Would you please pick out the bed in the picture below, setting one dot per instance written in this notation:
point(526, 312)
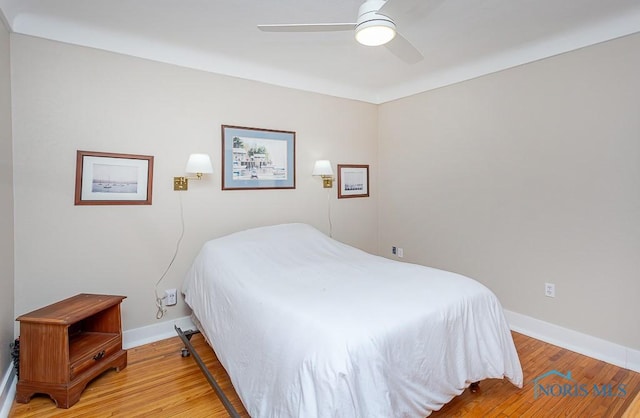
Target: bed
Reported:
point(307, 326)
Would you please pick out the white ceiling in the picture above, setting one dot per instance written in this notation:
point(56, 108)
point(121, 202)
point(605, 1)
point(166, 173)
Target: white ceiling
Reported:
point(460, 39)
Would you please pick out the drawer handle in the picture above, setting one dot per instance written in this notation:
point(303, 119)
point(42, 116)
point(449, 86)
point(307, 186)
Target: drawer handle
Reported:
point(99, 355)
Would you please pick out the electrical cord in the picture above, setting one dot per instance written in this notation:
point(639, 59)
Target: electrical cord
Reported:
point(329, 212)
point(159, 300)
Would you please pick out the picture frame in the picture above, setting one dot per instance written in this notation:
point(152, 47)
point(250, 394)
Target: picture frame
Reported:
point(353, 180)
point(105, 178)
point(254, 158)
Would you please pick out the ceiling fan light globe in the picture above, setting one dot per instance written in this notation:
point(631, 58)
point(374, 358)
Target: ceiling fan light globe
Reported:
point(375, 32)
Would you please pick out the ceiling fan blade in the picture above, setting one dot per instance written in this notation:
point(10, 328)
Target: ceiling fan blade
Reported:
point(402, 48)
point(308, 27)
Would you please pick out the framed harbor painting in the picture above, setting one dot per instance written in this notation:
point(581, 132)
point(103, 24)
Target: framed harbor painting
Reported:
point(104, 178)
point(254, 158)
point(353, 180)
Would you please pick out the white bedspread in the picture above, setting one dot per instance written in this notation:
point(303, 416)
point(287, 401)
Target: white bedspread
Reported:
point(309, 327)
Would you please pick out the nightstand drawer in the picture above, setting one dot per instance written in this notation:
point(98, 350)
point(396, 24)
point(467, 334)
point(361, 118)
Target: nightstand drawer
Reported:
point(96, 355)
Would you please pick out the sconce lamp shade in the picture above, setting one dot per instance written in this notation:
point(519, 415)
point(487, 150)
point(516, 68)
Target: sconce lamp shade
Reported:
point(322, 168)
point(199, 163)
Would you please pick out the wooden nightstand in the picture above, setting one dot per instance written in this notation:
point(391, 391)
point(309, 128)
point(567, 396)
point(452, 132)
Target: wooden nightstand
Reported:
point(66, 345)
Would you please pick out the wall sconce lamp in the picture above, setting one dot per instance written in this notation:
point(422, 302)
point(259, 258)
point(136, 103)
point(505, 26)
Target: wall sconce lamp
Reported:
point(323, 169)
point(198, 164)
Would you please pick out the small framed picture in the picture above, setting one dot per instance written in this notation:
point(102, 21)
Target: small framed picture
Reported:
point(104, 178)
point(353, 180)
point(255, 158)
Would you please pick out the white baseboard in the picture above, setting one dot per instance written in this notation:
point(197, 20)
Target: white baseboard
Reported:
point(587, 345)
point(7, 391)
point(156, 332)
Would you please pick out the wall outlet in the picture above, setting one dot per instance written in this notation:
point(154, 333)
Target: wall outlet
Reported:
point(550, 290)
point(171, 297)
point(394, 250)
point(400, 252)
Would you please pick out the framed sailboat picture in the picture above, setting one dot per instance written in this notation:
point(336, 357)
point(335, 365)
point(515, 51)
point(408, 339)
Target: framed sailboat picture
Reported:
point(104, 178)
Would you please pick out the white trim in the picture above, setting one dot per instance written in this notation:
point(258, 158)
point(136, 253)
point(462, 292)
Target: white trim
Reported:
point(607, 30)
point(587, 345)
point(5, 21)
point(156, 332)
point(7, 391)
point(73, 32)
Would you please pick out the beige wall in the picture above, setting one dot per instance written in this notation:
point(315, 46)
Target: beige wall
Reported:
point(517, 178)
point(68, 98)
point(6, 200)
point(527, 176)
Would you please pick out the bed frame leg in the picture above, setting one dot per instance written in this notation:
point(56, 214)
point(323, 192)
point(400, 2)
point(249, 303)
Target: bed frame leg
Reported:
point(474, 387)
point(186, 339)
point(188, 334)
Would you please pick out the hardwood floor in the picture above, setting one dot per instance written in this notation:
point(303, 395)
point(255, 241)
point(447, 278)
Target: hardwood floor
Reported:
point(634, 410)
point(159, 382)
point(498, 398)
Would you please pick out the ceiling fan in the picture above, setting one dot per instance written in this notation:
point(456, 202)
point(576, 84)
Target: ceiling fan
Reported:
point(374, 26)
